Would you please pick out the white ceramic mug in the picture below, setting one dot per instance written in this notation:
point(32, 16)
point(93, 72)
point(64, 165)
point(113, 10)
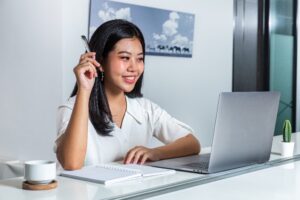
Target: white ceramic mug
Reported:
point(40, 171)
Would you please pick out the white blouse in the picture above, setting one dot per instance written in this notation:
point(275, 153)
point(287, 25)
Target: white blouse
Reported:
point(142, 121)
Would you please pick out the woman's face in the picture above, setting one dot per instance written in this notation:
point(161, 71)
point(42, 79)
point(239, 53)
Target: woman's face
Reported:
point(124, 65)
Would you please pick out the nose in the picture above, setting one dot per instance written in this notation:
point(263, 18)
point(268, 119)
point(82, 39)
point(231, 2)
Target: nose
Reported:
point(133, 65)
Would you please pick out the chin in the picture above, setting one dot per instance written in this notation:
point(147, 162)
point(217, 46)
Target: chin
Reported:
point(127, 88)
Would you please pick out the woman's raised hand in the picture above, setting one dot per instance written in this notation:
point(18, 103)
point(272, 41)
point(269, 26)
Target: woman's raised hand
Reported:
point(86, 72)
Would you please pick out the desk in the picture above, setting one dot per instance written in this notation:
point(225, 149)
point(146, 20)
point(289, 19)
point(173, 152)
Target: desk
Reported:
point(276, 183)
point(278, 179)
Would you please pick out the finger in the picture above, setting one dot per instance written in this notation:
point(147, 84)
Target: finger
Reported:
point(92, 67)
point(129, 153)
point(144, 159)
point(91, 60)
point(137, 156)
point(80, 69)
point(85, 67)
point(130, 156)
point(95, 74)
point(126, 156)
point(90, 72)
point(88, 55)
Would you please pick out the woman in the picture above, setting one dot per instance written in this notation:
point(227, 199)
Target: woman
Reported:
point(106, 119)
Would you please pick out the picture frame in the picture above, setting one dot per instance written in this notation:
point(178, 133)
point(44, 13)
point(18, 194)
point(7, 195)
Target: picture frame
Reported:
point(166, 32)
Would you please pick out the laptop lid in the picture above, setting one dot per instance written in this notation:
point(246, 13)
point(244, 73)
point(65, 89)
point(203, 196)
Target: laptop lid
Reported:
point(243, 134)
point(244, 129)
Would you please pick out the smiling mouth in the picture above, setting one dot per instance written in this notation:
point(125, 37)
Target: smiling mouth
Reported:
point(129, 79)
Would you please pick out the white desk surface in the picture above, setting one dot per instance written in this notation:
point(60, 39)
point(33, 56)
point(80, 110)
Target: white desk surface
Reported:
point(276, 183)
point(280, 182)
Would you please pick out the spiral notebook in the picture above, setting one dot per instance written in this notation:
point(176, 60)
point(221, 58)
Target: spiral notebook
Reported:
point(109, 174)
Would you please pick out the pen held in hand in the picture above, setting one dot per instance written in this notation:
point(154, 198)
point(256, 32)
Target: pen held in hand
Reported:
point(86, 44)
point(88, 50)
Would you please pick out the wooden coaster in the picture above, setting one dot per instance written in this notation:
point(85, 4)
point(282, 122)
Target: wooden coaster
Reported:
point(27, 186)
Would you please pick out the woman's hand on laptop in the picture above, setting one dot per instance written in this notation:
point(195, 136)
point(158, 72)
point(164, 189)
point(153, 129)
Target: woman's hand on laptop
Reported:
point(140, 154)
point(184, 146)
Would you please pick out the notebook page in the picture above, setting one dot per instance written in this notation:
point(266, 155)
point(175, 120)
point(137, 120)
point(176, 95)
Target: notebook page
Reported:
point(102, 174)
point(150, 171)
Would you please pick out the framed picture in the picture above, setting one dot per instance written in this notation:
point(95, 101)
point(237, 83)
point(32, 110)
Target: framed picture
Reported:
point(166, 32)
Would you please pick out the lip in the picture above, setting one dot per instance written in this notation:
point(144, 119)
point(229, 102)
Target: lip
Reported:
point(129, 79)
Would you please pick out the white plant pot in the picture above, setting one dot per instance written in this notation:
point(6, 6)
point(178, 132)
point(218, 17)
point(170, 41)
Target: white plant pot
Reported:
point(287, 149)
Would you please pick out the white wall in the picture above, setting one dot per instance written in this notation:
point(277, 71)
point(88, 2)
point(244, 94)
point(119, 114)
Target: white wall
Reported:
point(40, 45)
point(30, 77)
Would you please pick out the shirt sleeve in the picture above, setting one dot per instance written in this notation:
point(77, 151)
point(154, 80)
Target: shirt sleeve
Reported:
point(63, 117)
point(166, 128)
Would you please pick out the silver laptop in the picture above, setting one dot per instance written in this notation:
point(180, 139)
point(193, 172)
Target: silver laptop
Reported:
point(243, 134)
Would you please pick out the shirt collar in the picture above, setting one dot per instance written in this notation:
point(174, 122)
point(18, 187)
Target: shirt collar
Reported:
point(134, 109)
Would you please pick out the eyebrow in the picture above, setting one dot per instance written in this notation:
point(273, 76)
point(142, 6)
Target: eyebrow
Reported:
point(127, 52)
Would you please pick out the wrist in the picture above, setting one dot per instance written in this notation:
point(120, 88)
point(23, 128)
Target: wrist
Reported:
point(158, 153)
point(84, 93)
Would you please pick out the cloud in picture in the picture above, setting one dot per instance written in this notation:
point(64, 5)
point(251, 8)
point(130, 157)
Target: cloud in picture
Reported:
point(109, 13)
point(160, 37)
point(180, 40)
point(170, 32)
point(171, 25)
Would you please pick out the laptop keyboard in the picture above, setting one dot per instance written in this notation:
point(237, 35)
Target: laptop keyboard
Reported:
point(198, 165)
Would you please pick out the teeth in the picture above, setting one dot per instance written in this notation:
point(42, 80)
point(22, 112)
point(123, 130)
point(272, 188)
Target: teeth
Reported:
point(130, 78)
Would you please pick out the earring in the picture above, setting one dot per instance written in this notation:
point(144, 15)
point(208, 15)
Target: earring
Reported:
point(102, 76)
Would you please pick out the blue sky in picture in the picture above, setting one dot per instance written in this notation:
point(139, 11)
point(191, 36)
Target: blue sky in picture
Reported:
point(166, 32)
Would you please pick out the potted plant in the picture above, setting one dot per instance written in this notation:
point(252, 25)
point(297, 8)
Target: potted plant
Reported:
point(287, 144)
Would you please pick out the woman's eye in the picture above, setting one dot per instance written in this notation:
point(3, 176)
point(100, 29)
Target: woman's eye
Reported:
point(141, 59)
point(125, 58)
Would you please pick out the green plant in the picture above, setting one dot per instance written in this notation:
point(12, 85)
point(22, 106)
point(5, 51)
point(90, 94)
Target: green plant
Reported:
point(287, 131)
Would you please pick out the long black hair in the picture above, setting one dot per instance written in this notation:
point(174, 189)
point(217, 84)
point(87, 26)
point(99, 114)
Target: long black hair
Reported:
point(102, 42)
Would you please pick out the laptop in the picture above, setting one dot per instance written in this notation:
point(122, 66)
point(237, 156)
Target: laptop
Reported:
point(243, 134)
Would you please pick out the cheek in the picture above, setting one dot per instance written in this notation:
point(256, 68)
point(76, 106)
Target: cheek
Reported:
point(142, 68)
point(117, 68)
